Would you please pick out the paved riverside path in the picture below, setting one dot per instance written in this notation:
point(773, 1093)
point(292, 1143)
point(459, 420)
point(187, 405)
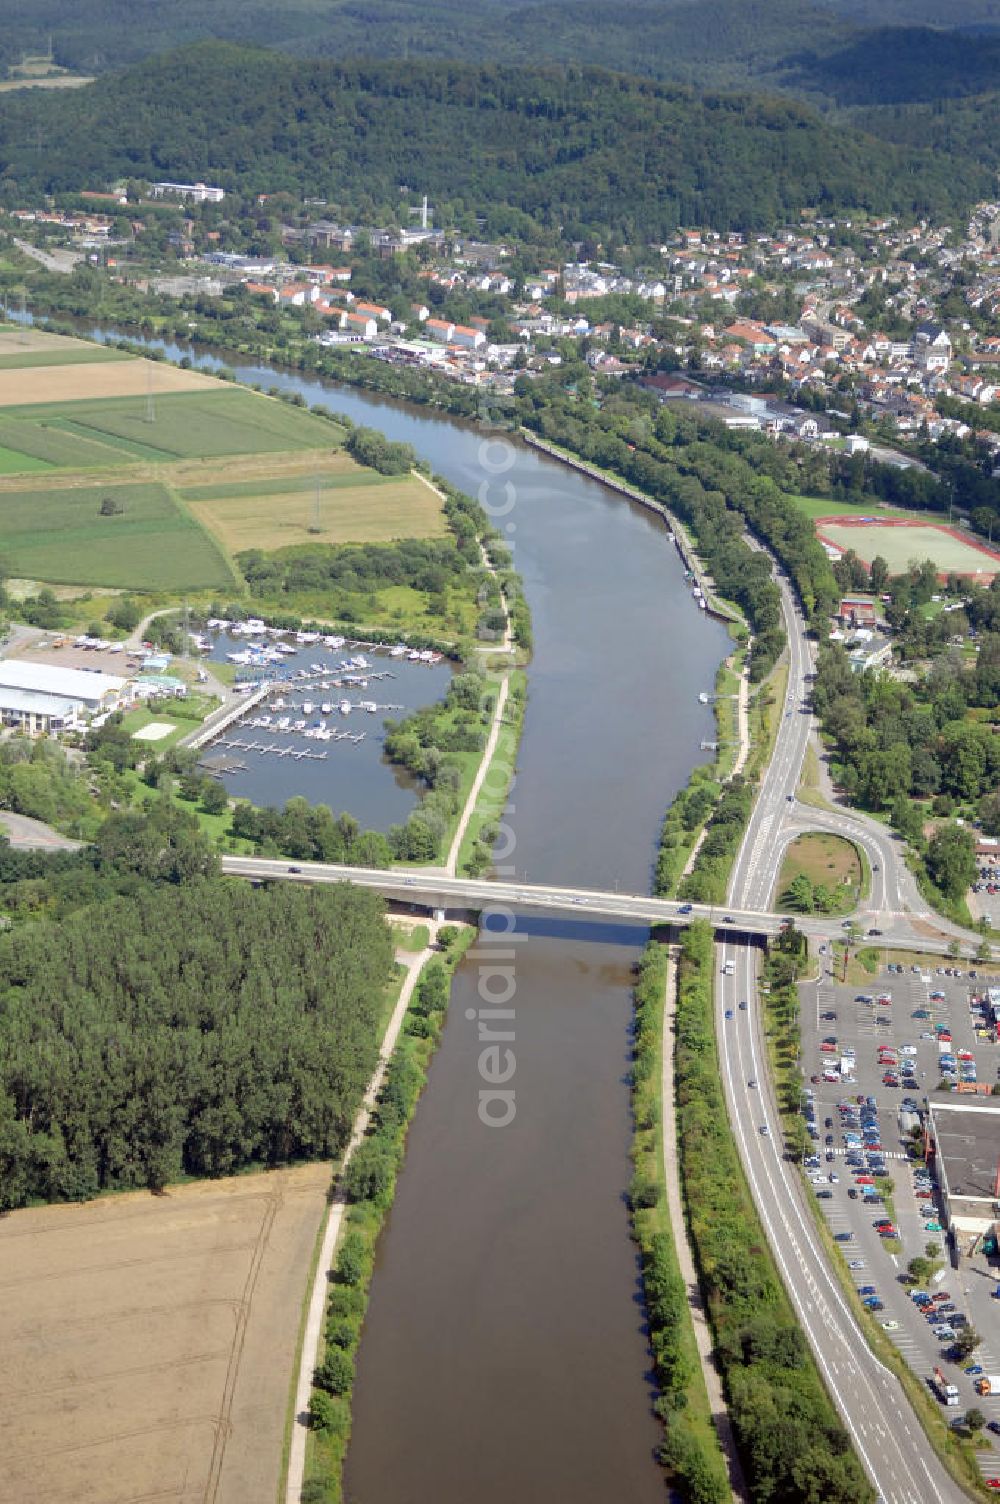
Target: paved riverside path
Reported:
point(331, 1233)
point(685, 1256)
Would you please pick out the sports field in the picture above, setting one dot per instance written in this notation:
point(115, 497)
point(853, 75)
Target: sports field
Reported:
point(362, 507)
point(60, 536)
point(900, 542)
point(147, 1342)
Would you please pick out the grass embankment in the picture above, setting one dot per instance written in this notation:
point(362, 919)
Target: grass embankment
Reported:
point(686, 818)
point(370, 1184)
point(790, 1437)
point(475, 852)
point(690, 1450)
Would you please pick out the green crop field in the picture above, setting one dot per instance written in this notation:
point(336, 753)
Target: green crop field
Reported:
point(190, 425)
point(73, 355)
point(40, 439)
point(13, 462)
point(60, 537)
point(351, 477)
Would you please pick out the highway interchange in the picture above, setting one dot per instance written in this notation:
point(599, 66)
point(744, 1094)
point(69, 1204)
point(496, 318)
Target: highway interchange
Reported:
point(881, 1423)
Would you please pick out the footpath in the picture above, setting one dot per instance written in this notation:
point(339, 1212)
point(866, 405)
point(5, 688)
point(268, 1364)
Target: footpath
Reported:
point(331, 1233)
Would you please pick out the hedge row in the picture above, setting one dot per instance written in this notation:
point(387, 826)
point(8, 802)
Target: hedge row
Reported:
point(690, 1450)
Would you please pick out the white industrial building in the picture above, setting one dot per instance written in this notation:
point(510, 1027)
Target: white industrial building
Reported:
point(41, 698)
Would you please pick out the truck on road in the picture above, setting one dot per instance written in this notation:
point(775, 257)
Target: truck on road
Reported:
point(946, 1393)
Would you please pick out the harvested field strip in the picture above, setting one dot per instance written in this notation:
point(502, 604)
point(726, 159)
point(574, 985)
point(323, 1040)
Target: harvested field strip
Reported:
point(61, 537)
point(177, 1340)
point(366, 513)
point(91, 381)
point(73, 355)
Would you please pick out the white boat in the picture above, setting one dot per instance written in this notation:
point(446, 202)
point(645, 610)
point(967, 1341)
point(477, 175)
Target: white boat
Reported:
point(326, 707)
point(317, 668)
point(307, 706)
point(398, 650)
point(299, 725)
point(344, 707)
point(284, 722)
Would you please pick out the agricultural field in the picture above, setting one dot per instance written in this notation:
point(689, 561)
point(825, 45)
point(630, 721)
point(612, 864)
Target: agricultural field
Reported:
point(177, 424)
point(147, 1343)
point(900, 542)
point(358, 507)
point(61, 536)
point(90, 380)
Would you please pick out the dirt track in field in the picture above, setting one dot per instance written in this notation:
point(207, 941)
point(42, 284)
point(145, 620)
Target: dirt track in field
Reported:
point(147, 1343)
point(78, 383)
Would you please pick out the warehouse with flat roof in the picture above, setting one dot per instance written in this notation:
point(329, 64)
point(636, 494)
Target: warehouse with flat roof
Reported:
point(43, 698)
point(965, 1143)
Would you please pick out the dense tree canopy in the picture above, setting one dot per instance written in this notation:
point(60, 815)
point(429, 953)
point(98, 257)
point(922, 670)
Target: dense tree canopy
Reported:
point(573, 151)
point(185, 1030)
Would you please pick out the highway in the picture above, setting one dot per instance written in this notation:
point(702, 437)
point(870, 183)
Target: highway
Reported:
point(885, 1432)
point(438, 890)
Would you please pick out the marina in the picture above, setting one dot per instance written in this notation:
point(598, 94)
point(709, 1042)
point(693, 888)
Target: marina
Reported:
point(309, 717)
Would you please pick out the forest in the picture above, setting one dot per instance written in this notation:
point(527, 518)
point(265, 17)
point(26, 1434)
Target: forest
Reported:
point(572, 150)
point(828, 50)
point(185, 1030)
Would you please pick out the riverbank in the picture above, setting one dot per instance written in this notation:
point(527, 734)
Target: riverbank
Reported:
point(691, 1404)
point(362, 1195)
point(714, 604)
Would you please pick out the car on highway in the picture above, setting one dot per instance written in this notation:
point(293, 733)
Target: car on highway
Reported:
point(686, 908)
point(752, 1085)
point(874, 932)
point(729, 1012)
point(764, 1130)
point(295, 869)
point(728, 919)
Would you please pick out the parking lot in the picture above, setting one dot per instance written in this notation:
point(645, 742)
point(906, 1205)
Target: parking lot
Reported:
point(984, 898)
point(871, 1055)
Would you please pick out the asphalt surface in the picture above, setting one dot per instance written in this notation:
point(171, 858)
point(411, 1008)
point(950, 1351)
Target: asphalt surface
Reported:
point(885, 1432)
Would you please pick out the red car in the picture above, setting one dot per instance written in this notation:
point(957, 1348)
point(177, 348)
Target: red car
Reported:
point(925, 1195)
point(828, 1048)
point(864, 1180)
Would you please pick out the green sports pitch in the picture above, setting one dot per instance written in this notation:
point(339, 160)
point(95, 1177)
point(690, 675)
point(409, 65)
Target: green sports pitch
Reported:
point(901, 543)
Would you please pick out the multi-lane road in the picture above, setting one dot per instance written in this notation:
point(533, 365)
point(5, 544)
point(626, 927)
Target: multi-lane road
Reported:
point(886, 1434)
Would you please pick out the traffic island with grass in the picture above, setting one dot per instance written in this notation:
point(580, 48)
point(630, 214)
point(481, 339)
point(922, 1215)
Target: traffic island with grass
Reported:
point(821, 874)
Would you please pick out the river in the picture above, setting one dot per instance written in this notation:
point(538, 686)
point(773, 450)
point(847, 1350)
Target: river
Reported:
point(504, 1355)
